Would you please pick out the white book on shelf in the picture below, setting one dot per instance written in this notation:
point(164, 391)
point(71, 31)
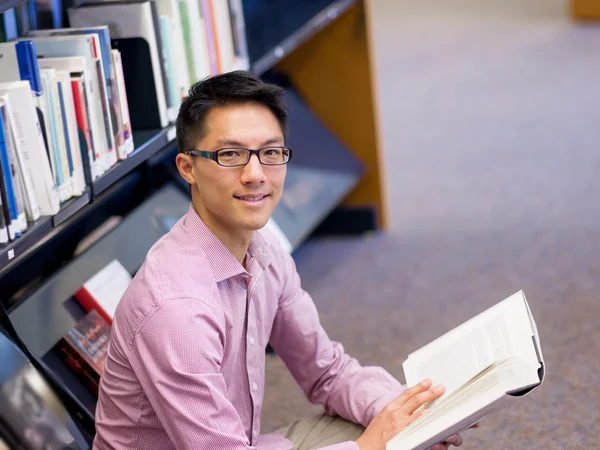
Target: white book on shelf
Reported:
point(15, 169)
point(30, 146)
point(104, 290)
point(75, 65)
point(64, 67)
point(486, 364)
point(32, 209)
point(62, 166)
point(83, 45)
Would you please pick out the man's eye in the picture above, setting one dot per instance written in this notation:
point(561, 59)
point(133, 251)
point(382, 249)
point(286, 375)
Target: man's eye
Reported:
point(230, 154)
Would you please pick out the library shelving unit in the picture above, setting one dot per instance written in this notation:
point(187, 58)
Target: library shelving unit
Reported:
point(321, 51)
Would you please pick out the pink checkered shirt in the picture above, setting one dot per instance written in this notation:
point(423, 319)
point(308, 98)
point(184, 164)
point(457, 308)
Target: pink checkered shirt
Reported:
point(186, 361)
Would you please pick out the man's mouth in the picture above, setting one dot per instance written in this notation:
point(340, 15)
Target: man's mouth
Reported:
point(252, 198)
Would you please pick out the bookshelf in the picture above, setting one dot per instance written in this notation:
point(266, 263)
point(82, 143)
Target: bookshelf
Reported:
point(323, 57)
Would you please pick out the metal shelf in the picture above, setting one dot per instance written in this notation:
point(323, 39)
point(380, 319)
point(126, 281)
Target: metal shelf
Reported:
point(147, 144)
point(35, 233)
point(293, 41)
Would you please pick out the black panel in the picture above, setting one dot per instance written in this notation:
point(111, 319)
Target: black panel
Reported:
point(139, 79)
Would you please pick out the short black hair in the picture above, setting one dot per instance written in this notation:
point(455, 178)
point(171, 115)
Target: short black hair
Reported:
point(231, 88)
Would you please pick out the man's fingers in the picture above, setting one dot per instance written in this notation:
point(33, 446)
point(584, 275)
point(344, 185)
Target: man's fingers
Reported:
point(455, 439)
point(411, 392)
point(416, 401)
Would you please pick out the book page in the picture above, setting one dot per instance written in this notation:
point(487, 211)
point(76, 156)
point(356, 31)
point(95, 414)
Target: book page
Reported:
point(502, 331)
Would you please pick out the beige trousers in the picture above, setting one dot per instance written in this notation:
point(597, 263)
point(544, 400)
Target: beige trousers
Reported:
point(320, 431)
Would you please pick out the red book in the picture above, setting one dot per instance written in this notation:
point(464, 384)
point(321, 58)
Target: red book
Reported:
point(84, 349)
point(104, 290)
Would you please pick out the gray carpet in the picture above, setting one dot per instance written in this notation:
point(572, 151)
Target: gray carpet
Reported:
point(491, 120)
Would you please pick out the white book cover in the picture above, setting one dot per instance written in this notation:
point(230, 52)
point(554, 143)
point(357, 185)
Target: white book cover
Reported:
point(32, 210)
point(128, 20)
point(30, 146)
point(82, 45)
point(104, 290)
point(74, 64)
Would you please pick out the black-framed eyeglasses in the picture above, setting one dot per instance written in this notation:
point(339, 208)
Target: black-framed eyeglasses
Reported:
point(239, 156)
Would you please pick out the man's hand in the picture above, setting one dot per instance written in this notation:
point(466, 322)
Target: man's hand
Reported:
point(399, 414)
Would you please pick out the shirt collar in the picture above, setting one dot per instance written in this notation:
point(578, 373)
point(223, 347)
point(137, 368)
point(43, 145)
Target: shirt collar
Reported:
point(223, 263)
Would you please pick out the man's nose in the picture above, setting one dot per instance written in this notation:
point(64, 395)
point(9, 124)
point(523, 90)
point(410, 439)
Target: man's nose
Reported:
point(253, 171)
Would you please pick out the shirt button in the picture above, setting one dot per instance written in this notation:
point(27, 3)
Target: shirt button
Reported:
point(262, 251)
point(251, 340)
point(254, 387)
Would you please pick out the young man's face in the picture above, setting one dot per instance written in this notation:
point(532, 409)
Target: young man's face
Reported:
point(244, 197)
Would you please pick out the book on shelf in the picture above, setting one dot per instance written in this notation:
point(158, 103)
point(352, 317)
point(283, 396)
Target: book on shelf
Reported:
point(122, 140)
point(86, 46)
point(31, 152)
point(10, 208)
point(486, 364)
point(84, 349)
point(135, 35)
point(9, 163)
point(104, 290)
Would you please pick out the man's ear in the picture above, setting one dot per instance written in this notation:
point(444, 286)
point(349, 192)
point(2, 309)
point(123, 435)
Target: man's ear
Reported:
point(185, 165)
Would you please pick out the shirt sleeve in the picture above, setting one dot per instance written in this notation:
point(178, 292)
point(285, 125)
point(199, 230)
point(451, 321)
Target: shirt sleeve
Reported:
point(177, 357)
point(326, 374)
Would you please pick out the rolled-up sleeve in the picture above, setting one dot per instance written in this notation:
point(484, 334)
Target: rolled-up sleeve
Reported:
point(182, 378)
point(327, 375)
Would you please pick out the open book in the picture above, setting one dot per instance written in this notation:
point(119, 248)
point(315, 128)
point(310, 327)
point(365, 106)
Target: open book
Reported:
point(486, 363)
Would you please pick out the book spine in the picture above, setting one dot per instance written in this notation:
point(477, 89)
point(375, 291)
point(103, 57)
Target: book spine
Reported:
point(124, 105)
point(14, 228)
point(89, 303)
point(28, 68)
point(17, 178)
point(85, 140)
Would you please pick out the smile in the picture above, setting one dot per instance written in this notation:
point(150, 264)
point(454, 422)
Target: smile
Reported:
point(252, 198)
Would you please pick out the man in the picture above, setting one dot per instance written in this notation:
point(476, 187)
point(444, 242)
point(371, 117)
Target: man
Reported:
point(185, 366)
